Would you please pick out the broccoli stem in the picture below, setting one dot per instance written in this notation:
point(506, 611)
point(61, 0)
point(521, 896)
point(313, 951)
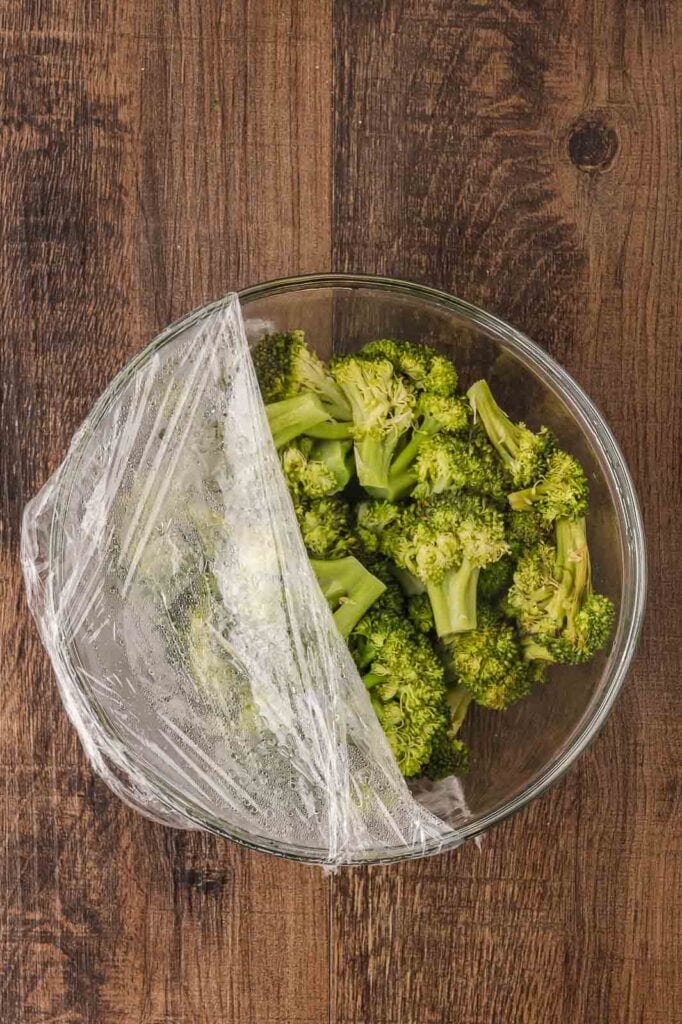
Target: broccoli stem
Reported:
point(294, 416)
point(533, 651)
point(401, 478)
point(333, 398)
point(371, 679)
point(503, 434)
point(337, 457)
point(381, 477)
point(404, 459)
point(411, 585)
point(349, 588)
point(330, 431)
point(524, 501)
point(453, 600)
point(373, 460)
point(572, 569)
point(459, 700)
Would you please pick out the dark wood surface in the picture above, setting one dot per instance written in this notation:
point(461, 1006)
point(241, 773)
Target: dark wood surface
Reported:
point(526, 156)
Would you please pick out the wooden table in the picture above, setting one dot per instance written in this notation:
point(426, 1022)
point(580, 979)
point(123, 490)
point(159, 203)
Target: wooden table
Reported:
point(524, 155)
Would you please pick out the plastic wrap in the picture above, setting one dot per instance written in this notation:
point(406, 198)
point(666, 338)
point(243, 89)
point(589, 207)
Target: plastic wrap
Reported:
point(195, 653)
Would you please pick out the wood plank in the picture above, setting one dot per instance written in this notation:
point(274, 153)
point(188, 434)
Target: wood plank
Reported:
point(526, 157)
point(153, 156)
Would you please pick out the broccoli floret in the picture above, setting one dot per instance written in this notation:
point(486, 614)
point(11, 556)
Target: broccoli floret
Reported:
point(420, 613)
point(337, 456)
point(349, 588)
point(292, 417)
point(285, 367)
point(315, 469)
point(326, 526)
point(372, 518)
point(449, 756)
point(306, 476)
point(495, 580)
point(445, 542)
point(449, 463)
point(559, 615)
point(561, 492)
point(487, 662)
point(433, 414)
point(383, 410)
point(405, 680)
point(525, 530)
point(523, 453)
point(426, 369)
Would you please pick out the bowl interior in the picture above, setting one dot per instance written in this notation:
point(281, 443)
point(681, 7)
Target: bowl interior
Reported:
point(511, 751)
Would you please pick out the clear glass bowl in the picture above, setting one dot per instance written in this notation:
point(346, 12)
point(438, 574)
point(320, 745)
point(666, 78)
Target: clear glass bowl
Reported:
point(517, 754)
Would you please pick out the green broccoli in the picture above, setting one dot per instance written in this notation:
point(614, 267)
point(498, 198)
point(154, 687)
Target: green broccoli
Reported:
point(525, 530)
point(292, 417)
point(433, 414)
point(372, 518)
point(349, 589)
point(405, 680)
point(445, 542)
point(495, 580)
point(523, 453)
point(561, 492)
point(306, 476)
point(560, 618)
point(426, 369)
point(487, 662)
point(383, 411)
point(451, 463)
point(393, 598)
point(286, 367)
point(450, 755)
point(420, 613)
point(326, 526)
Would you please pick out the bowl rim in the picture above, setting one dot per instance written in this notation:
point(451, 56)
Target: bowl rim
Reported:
point(621, 488)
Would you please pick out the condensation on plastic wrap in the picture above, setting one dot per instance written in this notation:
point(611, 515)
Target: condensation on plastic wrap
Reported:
point(193, 648)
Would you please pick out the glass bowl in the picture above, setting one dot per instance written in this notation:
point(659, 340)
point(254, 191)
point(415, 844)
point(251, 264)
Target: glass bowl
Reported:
point(517, 754)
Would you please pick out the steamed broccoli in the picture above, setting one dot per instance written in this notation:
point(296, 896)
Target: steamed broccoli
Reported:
point(523, 453)
point(445, 542)
point(426, 369)
point(349, 588)
point(559, 615)
point(487, 662)
point(431, 521)
point(433, 414)
point(405, 680)
point(286, 367)
point(295, 416)
point(420, 613)
point(383, 411)
point(495, 580)
point(525, 530)
point(305, 475)
point(326, 527)
point(451, 463)
point(372, 518)
point(560, 492)
point(393, 598)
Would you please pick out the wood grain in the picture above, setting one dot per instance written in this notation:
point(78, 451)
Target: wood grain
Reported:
point(526, 157)
point(152, 156)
